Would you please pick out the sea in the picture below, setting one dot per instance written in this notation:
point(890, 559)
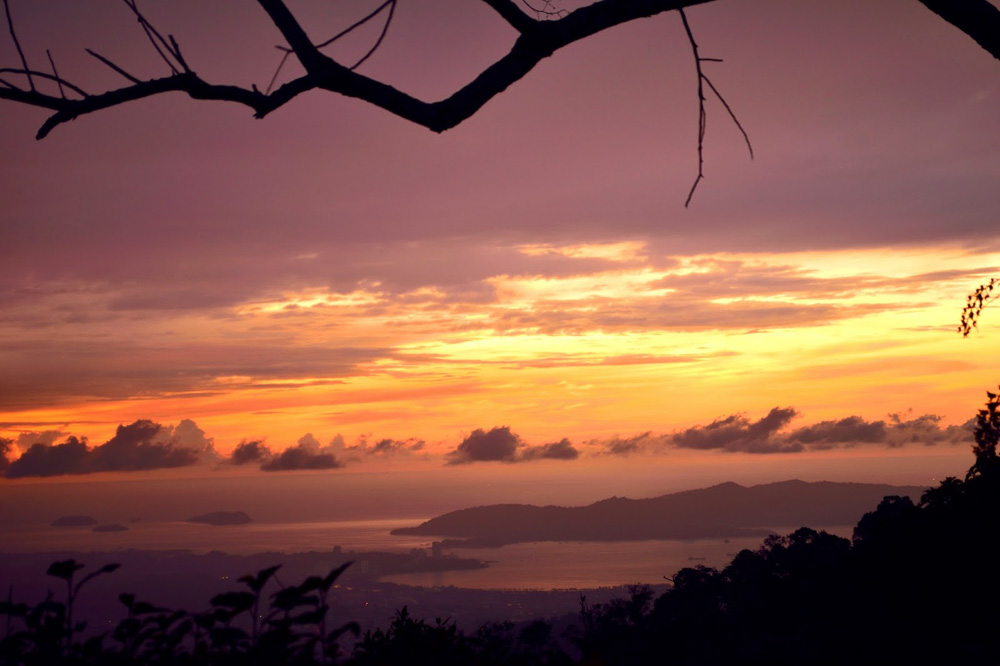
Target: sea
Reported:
point(525, 566)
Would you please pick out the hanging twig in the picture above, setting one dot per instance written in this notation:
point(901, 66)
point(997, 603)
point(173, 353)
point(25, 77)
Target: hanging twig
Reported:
point(702, 114)
point(17, 45)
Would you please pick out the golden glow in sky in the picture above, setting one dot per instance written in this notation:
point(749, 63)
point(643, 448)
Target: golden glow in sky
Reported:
point(527, 286)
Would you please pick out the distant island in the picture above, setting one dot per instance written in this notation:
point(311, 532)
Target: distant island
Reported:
point(721, 511)
point(221, 518)
point(73, 521)
point(110, 528)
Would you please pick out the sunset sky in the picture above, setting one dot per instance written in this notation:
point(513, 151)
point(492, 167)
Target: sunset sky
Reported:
point(527, 287)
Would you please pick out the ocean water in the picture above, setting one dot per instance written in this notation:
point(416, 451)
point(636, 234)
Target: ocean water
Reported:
point(540, 565)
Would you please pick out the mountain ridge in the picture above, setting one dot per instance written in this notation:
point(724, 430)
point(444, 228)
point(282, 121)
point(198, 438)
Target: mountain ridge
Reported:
point(723, 510)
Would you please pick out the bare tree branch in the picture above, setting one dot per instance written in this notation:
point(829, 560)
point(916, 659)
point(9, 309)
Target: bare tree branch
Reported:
point(357, 24)
point(17, 45)
point(297, 39)
point(33, 98)
point(381, 37)
point(113, 66)
point(546, 11)
point(44, 75)
point(729, 110)
point(514, 16)
point(55, 74)
point(978, 19)
point(702, 115)
point(153, 35)
point(537, 39)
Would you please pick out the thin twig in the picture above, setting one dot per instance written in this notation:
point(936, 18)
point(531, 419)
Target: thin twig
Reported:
point(378, 42)
point(17, 45)
point(45, 75)
point(391, 4)
point(177, 53)
point(55, 73)
point(113, 66)
point(732, 115)
point(281, 64)
point(702, 114)
point(153, 35)
point(357, 24)
point(547, 9)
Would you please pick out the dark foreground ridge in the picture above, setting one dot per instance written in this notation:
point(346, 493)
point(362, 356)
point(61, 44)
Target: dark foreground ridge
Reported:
point(724, 510)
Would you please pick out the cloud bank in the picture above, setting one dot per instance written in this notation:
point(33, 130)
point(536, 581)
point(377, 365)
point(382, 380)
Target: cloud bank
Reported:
point(142, 445)
point(499, 444)
point(306, 454)
point(737, 433)
point(145, 445)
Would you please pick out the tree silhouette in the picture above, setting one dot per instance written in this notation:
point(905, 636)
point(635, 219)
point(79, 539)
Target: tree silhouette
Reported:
point(987, 434)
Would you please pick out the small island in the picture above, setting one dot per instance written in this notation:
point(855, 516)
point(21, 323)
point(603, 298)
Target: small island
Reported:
point(110, 528)
point(74, 521)
point(221, 518)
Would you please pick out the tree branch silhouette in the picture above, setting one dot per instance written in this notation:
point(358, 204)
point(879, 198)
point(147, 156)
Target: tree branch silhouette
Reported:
point(703, 81)
point(538, 37)
point(974, 304)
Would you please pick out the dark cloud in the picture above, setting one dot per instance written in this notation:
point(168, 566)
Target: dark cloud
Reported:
point(737, 433)
point(307, 454)
point(896, 432)
point(382, 448)
point(769, 434)
point(646, 442)
point(6, 446)
point(385, 446)
point(852, 429)
point(499, 444)
point(142, 445)
point(561, 450)
point(70, 457)
point(135, 447)
point(250, 451)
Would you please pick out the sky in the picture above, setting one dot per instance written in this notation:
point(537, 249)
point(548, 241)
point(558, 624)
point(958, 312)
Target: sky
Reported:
point(333, 289)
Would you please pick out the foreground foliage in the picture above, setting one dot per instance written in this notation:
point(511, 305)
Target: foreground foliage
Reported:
point(917, 584)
